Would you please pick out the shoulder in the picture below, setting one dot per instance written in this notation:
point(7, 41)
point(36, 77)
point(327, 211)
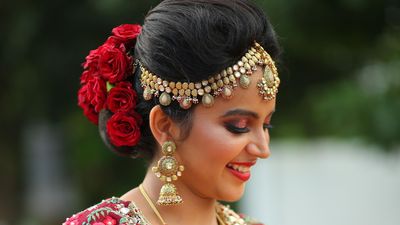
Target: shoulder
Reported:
point(231, 217)
point(112, 211)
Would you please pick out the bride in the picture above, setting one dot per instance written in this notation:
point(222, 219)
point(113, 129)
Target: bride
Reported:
point(193, 90)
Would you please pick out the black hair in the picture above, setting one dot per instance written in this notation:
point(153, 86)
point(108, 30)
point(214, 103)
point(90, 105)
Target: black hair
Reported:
point(190, 40)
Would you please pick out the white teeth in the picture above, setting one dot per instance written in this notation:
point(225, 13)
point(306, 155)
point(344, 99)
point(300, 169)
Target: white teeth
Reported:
point(242, 169)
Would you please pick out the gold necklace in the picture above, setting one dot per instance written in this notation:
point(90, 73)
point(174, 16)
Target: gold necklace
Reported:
point(152, 206)
point(220, 221)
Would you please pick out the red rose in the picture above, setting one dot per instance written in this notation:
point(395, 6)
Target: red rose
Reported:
point(121, 98)
point(86, 76)
point(92, 61)
point(114, 64)
point(91, 98)
point(123, 129)
point(114, 41)
point(126, 32)
point(110, 62)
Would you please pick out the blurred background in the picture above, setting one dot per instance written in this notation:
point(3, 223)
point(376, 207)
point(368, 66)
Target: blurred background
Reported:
point(335, 146)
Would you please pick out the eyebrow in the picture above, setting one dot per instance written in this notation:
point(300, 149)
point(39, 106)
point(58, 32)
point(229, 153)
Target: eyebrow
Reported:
point(243, 112)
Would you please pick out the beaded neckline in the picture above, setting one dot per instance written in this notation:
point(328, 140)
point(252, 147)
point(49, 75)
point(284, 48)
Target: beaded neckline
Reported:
point(228, 216)
point(117, 211)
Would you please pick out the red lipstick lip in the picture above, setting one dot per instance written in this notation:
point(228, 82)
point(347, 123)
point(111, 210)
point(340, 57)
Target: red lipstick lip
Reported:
point(242, 176)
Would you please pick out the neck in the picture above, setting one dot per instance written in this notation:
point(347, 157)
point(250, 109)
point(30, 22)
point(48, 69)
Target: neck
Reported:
point(194, 210)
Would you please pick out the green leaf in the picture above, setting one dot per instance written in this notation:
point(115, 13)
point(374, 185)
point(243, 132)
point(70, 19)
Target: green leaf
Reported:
point(109, 86)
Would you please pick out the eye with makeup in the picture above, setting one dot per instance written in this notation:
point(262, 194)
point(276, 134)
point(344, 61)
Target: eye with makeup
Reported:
point(238, 126)
point(267, 126)
point(241, 121)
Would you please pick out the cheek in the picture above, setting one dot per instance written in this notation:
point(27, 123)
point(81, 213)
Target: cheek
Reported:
point(206, 152)
point(211, 146)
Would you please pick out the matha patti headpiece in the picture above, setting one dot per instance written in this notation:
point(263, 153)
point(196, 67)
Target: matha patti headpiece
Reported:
point(188, 93)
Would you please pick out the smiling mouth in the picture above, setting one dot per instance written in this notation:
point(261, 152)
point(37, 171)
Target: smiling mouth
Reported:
point(240, 170)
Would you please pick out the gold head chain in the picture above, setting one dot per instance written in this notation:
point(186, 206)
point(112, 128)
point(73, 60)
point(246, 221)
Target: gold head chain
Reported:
point(187, 93)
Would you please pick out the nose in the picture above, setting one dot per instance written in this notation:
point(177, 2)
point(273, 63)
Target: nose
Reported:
point(259, 145)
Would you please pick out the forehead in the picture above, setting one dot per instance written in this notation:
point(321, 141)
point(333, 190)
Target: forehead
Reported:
point(247, 99)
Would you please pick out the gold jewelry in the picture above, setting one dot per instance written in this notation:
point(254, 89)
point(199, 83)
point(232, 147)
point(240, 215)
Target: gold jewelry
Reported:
point(168, 170)
point(225, 216)
point(188, 93)
point(269, 83)
point(152, 206)
point(219, 219)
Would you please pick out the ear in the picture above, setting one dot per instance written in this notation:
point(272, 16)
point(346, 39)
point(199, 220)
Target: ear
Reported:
point(161, 125)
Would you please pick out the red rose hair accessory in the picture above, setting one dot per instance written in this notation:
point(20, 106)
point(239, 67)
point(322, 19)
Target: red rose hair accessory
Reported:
point(124, 129)
point(105, 85)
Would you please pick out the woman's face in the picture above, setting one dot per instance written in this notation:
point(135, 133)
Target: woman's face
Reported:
point(224, 142)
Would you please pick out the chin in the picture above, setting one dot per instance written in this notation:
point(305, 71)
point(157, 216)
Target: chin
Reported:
point(232, 194)
point(231, 199)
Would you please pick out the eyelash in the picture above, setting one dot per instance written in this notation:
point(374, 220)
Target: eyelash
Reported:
point(238, 130)
point(267, 126)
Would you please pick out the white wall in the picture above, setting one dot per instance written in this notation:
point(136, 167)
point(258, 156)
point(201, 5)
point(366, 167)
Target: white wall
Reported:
point(325, 182)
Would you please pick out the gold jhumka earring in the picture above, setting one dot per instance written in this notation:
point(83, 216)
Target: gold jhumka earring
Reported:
point(168, 170)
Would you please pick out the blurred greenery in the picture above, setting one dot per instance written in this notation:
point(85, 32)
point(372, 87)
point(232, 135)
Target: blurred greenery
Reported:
point(340, 75)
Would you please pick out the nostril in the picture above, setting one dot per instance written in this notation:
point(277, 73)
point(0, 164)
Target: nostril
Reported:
point(266, 153)
point(260, 152)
